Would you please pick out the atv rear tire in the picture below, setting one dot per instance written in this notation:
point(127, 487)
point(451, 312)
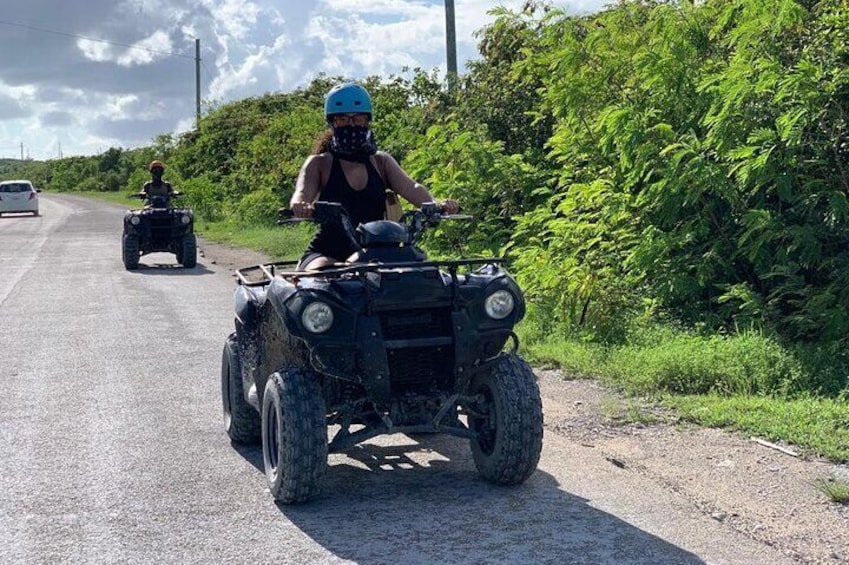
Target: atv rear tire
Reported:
point(294, 435)
point(130, 251)
point(241, 420)
point(508, 422)
point(189, 252)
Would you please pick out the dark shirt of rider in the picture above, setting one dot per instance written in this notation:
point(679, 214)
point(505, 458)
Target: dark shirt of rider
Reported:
point(161, 188)
point(364, 205)
point(156, 186)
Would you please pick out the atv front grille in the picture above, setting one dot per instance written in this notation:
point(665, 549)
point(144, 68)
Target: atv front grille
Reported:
point(420, 369)
point(160, 226)
point(421, 354)
point(416, 324)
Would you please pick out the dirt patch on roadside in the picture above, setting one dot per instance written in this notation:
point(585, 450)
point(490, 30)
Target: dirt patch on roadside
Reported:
point(230, 258)
point(757, 490)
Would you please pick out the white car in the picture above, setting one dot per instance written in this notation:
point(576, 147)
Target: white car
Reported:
point(18, 196)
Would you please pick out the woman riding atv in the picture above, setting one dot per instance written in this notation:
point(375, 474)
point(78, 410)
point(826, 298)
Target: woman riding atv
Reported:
point(347, 167)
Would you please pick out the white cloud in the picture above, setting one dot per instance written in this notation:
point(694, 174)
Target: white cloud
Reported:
point(234, 18)
point(146, 51)
point(95, 50)
point(118, 107)
point(382, 8)
point(262, 66)
point(22, 93)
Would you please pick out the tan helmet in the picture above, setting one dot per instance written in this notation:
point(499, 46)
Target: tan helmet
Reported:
point(156, 165)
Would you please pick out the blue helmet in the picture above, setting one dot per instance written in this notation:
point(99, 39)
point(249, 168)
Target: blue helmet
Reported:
point(347, 98)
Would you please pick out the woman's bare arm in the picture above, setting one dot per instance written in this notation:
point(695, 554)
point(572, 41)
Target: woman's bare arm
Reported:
point(398, 180)
point(307, 187)
point(417, 194)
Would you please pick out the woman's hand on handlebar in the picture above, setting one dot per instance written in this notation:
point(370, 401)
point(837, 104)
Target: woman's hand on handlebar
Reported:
point(450, 206)
point(302, 209)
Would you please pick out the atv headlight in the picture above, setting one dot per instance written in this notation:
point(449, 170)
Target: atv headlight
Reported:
point(317, 317)
point(135, 220)
point(185, 219)
point(499, 304)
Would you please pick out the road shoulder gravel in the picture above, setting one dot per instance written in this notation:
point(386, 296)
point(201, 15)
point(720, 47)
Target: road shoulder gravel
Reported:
point(761, 492)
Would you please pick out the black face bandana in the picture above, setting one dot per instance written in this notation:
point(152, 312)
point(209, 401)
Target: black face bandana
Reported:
point(353, 143)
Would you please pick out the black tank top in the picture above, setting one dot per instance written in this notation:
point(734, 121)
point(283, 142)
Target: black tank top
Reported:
point(366, 205)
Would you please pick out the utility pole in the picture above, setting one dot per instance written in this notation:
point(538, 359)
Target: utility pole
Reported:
point(451, 44)
point(197, 83)
point(22, 151)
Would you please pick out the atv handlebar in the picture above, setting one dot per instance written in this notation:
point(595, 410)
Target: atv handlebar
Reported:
point(287, 216)
point(415, 221)
point(324, 212)
point(434, 212)
point(144, 195)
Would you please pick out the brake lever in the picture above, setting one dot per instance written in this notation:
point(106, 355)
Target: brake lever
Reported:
point(288, 217)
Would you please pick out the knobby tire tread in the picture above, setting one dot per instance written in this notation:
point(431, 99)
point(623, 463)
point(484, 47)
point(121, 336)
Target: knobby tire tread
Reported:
point(303, 427)
point(519, 441)
point(245, 424)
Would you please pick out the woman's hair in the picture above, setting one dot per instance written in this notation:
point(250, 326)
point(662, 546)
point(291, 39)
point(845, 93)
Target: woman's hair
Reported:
point(322, 142)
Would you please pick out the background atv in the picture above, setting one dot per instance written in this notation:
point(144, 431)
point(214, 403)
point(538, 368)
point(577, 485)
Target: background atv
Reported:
point(159, 227)
point(388, 342)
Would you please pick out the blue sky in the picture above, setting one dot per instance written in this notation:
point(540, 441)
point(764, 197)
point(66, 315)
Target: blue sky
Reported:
point(107, 73)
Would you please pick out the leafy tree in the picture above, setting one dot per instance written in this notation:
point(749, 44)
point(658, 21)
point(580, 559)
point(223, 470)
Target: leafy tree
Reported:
point(503, 89)
point(490, 185)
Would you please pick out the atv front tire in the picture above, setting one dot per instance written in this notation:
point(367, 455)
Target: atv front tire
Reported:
point(130, 251)
point(241, 420)
point(508, 421)
point(294, 435)
point(189, 252)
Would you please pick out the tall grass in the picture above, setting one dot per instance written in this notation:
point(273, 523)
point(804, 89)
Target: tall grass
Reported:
point(747, 381)
point(280, 243)
point(660, 359)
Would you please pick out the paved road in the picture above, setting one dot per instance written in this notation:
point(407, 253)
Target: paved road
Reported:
point(112, 449)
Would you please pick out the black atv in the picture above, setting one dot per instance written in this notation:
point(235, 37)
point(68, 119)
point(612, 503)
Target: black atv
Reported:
point(388, 342)
point(159, 227)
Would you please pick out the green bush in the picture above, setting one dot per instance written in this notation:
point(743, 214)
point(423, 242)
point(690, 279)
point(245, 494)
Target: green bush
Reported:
point(204, 198)
point(491, 186)
point(258, 208)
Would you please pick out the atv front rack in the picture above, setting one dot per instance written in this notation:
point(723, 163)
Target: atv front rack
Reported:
point(259, 275)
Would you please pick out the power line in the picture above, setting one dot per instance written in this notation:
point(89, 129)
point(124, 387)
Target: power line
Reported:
point(203, 63)
point(62, 33)
point(209, 76)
